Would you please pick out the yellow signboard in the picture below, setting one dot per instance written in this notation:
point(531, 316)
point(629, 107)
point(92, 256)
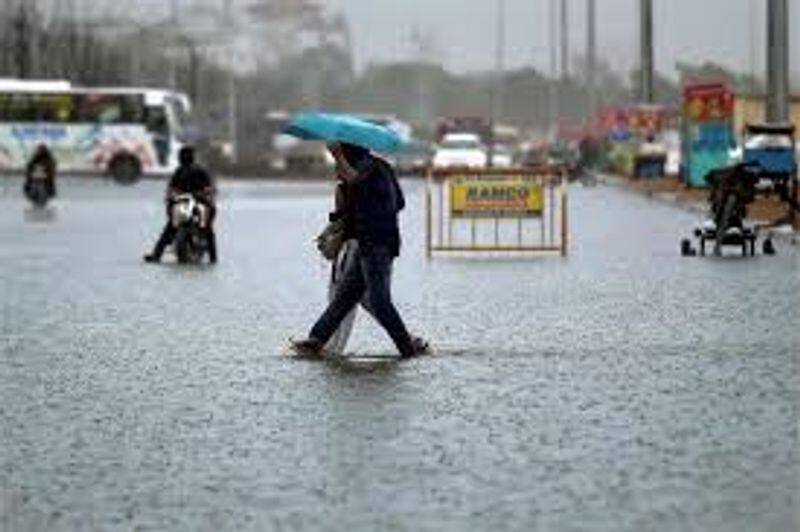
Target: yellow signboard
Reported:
point(508, 197)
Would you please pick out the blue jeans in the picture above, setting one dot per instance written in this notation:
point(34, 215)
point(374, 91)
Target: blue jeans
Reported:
point(369, 274)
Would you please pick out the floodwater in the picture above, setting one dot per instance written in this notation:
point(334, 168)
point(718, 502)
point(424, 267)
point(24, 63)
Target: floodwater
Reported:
point(623, 388)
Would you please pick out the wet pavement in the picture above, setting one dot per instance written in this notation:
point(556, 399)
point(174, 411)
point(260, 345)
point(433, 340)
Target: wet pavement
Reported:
point(621, 389)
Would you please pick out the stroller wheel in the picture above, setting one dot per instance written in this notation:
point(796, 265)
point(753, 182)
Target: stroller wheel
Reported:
point(768, 248)
point(686, 248)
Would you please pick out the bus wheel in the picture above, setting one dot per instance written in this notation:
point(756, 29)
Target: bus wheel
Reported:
point(125, 169)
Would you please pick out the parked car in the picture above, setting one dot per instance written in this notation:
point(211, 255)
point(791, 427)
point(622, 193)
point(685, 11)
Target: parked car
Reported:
point(308, 157)
point(502, 156)
point(414, 159)
point(460, 150)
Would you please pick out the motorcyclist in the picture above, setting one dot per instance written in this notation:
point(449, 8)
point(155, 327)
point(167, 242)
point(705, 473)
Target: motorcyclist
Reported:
point(42, 159)
point(189, 178)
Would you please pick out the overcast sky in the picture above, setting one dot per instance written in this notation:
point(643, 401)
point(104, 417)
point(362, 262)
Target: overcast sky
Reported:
point(727, 31)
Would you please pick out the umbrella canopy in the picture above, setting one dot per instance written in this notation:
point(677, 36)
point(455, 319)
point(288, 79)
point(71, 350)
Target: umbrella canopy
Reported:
point(344, 128)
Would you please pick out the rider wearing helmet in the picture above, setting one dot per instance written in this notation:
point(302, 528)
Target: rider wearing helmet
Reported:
point(189, 178)
point(42, 160)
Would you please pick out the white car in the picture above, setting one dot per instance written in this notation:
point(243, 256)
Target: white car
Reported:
point(672, 167)
point(503, 156)
point(460, 150)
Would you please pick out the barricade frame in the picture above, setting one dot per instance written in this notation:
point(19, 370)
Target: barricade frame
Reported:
point(553, 221)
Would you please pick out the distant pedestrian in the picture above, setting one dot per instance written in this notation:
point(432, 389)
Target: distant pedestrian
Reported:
point(371, 201)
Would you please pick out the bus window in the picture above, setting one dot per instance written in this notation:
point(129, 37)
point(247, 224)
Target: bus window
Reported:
point(97, 108)
point(107, 111)
point(157, 121)
point(133, 110)
point(59, 108)
point(18, 107)
point(5, 99)
point(108, 108)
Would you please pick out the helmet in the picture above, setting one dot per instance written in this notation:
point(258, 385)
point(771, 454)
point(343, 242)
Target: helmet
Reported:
point(186, 156)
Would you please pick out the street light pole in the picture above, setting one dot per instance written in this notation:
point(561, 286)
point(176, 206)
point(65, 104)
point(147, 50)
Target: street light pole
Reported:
point(232, 99)
point(564, 40)
point(554, 105)
point(500, 53)
point(175, 21)
point(752, 10)
point(591, 57)
point(5, 42)
point(499, 72)
point(646, 51)
point(500, 65)
point(778, 109)
point(34, 20)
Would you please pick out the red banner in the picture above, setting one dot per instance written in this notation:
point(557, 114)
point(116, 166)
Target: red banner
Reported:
point(708, 102)
point(633, 120)
point(647, 119)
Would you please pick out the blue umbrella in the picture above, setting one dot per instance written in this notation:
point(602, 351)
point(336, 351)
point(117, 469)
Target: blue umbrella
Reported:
point(344, 128)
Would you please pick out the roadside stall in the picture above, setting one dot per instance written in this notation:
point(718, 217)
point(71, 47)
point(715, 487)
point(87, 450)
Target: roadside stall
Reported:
point(707, 133)
point(647, 122)
point(633, 136)
point(615, 130)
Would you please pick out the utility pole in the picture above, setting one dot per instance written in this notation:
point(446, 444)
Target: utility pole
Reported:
point(555, 111)
point(778, 98)
point(174, 16)
point(6, 42)
point(22, 43)
point(232, 100)
point(591, 57)
point(496, 100)
point(135, 67)
point(646, 51)
point(33, 15)
point(500, 60)
point(422, 49)
point(752, 11)
point(564, 40)
point(69, 55)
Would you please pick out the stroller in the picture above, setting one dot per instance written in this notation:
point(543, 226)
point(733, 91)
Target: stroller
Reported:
point(732, 189)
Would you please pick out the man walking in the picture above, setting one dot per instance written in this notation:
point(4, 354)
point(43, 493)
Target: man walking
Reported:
point(376, 200)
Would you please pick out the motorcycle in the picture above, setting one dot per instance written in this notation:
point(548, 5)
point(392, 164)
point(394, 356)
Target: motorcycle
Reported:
point(37, 189)
point(189, 217)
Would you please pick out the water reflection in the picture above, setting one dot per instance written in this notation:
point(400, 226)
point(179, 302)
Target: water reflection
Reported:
point(46, 214)
point(621, 381)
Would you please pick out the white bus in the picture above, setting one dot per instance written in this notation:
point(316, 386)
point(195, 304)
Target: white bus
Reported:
point(122, 131)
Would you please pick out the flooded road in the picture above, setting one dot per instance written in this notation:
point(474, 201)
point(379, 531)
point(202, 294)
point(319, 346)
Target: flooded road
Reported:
point(621, 389)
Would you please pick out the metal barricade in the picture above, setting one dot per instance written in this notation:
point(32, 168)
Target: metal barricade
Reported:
point(498, 211)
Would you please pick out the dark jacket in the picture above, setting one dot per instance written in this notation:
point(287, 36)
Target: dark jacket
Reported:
point(43, 158)
point(190, 179)
point(376, 201)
